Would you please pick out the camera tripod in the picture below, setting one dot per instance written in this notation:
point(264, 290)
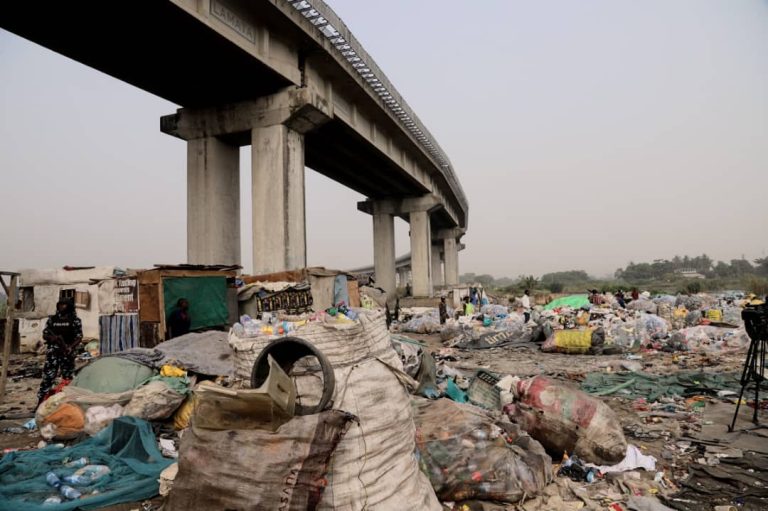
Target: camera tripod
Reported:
point(756, 324)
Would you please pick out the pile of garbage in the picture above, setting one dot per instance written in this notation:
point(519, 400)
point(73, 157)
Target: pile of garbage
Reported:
point(572, 324)
point(335, 405)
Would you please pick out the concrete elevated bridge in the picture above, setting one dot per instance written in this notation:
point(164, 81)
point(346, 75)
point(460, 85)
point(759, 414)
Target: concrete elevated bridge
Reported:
point(290, 80)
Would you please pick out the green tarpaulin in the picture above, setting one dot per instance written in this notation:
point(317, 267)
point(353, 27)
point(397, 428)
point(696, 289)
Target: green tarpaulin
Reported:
point(207, 298)
point(573, 301)
point(655, 386)
point(112, 375)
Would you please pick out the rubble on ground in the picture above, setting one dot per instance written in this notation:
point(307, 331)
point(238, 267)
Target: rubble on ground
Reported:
point(585, 406)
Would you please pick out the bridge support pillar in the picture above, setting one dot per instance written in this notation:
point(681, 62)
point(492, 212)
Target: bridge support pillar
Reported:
point(421, 248)
point(279, 222)
point(451, 251)
point(403, 276)
point(213, 202)
point(384, 251)
point(437, 266)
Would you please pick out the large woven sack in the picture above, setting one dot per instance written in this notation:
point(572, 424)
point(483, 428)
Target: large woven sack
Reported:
point(374, 467)
point(244, 469)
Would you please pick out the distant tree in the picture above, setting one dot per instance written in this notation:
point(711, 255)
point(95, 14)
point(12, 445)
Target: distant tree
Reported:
point(467, 278)
point(503, 282)
point(741, 267)
point(556, 287)
point(761, 266)
point(571, 276)
point(528, 282)
point(693, 287)
point(485, 279)
point(723, 270)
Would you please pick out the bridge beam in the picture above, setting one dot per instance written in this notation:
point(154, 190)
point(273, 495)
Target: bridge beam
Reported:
point(213, 202)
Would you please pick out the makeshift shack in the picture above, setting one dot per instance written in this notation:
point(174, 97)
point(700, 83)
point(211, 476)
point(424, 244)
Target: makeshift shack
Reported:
point(40, 290)
point(210, 290)
point(326, 287)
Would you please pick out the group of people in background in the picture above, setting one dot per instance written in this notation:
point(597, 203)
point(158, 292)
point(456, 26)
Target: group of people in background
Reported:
point(597, 298)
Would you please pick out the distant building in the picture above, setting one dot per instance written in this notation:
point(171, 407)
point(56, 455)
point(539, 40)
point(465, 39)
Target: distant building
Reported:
point(690, 274)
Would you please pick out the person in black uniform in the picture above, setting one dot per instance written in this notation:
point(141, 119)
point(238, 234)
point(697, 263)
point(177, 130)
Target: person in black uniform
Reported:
point(63, 333)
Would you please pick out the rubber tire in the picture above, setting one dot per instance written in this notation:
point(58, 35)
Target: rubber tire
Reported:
point(286, 352)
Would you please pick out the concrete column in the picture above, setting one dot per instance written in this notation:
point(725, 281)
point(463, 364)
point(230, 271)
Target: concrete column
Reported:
point(279, 230)
point(437, 266)
point(384, 251)
point(213, 202)
point(451, 252)
point(421, 246)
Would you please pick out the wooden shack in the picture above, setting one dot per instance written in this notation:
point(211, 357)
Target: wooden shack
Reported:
point(210, 290)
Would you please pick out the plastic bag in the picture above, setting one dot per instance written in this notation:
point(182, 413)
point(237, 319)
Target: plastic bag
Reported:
point(566, 419)
point(651, 327)
point(569, 341)
point(427, 323)
point(155, 400)
point(99, 417)
point(184, 413)
point(64, 422)
point(468, 455)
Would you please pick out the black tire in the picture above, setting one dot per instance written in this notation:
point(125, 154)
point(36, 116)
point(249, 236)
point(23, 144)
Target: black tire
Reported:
point(286, 352)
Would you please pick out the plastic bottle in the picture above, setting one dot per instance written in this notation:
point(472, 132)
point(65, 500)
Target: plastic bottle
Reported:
point(52, 479)
point(69, 492)
point(79, 462)
point(87, 475)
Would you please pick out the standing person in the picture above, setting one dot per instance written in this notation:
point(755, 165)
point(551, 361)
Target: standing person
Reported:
point(443, 311)
point(469, 309)
point(620, 299)
point(179, 319)
point(526, 299)
point(63, 333)
point(635, 294)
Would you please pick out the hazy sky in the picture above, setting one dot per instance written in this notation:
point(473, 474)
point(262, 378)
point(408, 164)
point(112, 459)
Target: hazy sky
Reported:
point(586, 134)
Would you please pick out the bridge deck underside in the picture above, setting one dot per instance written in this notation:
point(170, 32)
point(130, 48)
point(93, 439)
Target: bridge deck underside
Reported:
point(159, 48)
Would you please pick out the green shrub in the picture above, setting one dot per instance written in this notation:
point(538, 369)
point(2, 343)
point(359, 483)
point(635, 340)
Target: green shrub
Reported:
point(556, 287)
point(757, 285)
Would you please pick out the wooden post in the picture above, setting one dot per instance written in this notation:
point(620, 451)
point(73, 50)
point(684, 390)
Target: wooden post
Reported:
point(9, 315)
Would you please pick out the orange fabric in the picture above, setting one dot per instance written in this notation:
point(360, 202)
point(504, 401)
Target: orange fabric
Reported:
point(68, 418)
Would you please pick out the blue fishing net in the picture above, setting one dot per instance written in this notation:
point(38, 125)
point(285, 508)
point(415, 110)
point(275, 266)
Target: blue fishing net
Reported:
point(128, 447)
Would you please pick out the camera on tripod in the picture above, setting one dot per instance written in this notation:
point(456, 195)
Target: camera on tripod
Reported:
point(756, 324)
